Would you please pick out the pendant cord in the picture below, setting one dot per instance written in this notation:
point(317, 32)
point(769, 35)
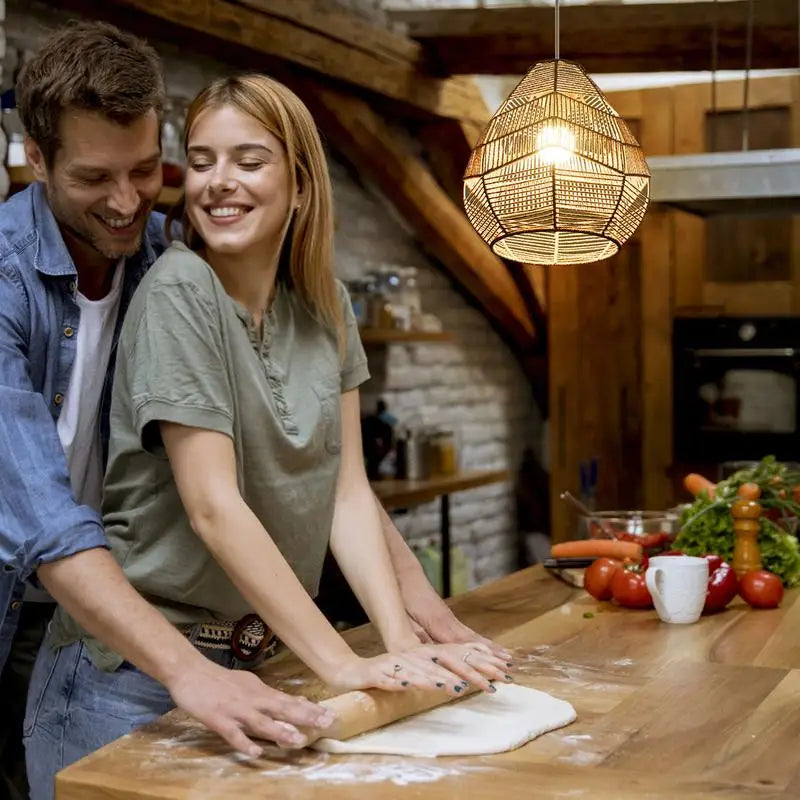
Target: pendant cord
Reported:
point(557, 36)
point(714, 67)
point(748, 64)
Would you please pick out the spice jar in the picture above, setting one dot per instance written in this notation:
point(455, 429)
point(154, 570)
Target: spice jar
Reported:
point(443, 452)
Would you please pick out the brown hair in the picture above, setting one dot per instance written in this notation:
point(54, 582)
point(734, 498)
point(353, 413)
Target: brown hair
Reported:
point(306, 262)
point(91, 66)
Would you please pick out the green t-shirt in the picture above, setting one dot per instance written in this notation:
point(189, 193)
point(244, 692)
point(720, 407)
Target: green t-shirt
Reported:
point(190, 354)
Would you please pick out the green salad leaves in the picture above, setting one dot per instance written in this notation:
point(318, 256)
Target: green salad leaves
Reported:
point(707, 524)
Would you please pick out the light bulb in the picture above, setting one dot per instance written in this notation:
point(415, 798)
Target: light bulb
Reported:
point(555, 144)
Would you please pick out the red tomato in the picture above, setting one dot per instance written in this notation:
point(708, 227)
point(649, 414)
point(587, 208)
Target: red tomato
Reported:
point(629, 589)
point(761, 589)
point(597, 578)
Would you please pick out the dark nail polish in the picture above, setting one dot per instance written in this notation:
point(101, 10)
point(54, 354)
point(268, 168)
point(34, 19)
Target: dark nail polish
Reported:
point(404, 683)
point(439, 685)
point(492, 689)
point(509, 678)
point(509, 664)
point(465, 684)
point(434, 659)
point(457, 689)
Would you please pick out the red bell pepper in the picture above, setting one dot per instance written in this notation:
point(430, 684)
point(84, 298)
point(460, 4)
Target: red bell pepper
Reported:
point(722, 584)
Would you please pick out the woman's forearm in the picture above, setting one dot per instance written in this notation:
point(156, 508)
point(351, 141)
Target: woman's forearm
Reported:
point(360, 549)
point(272, 589)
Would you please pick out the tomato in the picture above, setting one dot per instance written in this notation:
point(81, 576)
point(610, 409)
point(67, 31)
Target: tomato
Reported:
point(761, 589)
point(597, 578)
point(722, 584)
point(629, 589)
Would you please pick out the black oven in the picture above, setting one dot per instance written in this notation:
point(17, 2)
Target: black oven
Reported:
point(736, 388)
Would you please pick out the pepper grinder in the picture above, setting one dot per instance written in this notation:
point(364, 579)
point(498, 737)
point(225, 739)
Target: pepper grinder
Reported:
point(746, 552)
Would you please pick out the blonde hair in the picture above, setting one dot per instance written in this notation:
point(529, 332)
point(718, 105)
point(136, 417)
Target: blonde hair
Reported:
point(306, 262)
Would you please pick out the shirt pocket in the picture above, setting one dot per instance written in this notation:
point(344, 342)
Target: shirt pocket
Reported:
point(329, 393)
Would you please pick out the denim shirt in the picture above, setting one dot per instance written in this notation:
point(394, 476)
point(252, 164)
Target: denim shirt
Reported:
point(40, 521)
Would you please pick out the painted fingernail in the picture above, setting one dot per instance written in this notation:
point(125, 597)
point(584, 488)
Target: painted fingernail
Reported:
point(509, 664)
point(465, 684)
point(439, 685)
point(509, 678)
point(457, 688)
point(434, 659)
point(492, 688)
point(404, 683)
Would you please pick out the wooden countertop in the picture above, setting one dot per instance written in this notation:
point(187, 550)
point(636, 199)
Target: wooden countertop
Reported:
point(399, 494)
point(710, 710)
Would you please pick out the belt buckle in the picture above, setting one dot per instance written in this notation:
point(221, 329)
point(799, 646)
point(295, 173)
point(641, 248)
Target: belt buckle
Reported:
point(249, 651)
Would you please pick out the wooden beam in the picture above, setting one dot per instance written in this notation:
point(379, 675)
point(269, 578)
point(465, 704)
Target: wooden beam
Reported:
point(328, 42)
point(375, 149)
point(606, 37)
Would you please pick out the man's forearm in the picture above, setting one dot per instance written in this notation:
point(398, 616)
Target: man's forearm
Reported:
point(91, 586)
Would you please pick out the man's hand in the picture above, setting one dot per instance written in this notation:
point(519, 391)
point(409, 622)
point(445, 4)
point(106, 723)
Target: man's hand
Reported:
point(434, 622)
point(238, 704)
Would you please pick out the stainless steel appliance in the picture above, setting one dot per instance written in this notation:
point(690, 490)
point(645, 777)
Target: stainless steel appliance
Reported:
point(736, 388)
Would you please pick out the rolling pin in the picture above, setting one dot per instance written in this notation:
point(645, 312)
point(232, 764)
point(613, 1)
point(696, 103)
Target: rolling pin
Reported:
point(362, 711)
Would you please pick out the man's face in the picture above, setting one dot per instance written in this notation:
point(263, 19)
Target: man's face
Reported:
point(104, 181)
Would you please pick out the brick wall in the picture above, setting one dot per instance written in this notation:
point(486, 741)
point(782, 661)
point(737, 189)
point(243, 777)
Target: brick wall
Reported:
point(472, 385)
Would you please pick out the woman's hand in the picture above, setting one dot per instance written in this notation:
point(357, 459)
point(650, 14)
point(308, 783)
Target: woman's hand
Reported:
point(450, 668)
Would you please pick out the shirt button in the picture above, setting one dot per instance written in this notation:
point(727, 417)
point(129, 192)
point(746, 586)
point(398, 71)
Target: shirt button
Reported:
point(17, 604)
point(68, 332)
point(58, 398)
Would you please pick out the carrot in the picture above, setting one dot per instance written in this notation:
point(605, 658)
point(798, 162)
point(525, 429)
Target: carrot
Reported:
point(695, 484)
point(749, 491)
point(596, 548)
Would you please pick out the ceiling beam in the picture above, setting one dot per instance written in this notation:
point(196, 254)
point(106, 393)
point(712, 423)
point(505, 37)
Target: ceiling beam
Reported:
point(608, 37)
point(322, 40)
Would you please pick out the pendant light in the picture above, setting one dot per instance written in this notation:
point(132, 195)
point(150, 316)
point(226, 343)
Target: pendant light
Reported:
point(556, 177)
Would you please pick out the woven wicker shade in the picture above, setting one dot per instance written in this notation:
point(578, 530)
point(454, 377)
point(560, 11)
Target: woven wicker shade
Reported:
point(557, 177)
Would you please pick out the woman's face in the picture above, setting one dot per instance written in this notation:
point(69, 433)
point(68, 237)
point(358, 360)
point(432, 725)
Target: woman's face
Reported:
point(238, 187)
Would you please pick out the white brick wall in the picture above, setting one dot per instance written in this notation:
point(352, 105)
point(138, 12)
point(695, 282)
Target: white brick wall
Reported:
point(472, 385)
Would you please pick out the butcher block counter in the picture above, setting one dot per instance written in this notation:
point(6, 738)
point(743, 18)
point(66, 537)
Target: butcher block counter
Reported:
point(708, 710)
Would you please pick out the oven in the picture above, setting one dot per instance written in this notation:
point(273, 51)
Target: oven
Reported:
point(736, 388)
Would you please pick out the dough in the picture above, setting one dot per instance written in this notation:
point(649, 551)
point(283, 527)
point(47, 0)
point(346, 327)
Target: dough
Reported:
point(480, 724)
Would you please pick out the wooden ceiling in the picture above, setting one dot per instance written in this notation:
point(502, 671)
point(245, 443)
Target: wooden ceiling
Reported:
point(362, 81)
point(607, 37)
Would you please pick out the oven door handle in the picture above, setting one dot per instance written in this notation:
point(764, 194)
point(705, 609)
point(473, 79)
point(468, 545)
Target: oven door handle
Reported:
point(743, 352)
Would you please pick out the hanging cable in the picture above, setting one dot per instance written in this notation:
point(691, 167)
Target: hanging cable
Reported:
point(748, 65)
point(714, 67)
point(557, 35)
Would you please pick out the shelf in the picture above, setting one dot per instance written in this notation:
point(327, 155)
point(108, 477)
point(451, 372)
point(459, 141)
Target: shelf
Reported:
point(384, 336)
point(21, 176)
point(400, 494)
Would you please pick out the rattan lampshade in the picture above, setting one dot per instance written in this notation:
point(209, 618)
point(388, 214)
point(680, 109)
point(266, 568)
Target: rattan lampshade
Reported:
point(557, 177)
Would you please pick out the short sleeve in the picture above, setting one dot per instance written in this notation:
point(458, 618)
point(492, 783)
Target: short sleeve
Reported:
point(175, 369)
point(354, 365)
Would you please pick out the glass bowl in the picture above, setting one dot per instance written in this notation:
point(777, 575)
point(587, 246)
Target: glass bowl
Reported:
point(653, 530)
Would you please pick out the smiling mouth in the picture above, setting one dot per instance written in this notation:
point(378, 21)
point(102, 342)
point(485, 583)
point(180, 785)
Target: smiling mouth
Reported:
point(227, 213)
point(122, 225)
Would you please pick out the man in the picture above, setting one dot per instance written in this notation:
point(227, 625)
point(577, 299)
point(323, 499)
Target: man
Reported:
point(73, 247)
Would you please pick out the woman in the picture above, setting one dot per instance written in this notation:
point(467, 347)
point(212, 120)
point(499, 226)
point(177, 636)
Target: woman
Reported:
point(236, 452)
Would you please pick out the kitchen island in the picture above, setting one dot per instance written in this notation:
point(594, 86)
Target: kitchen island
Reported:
point(710, 710)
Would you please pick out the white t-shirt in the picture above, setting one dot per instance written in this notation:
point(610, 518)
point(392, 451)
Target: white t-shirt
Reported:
point(79, 421)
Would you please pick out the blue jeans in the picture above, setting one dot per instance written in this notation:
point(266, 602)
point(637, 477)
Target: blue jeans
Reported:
point(74, 708)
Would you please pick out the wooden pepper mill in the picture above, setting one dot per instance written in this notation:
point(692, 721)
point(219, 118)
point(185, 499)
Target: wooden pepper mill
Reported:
point(746, 552)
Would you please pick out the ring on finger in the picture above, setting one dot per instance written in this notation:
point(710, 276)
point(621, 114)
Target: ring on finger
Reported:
point(397, 668)
point(465, 659)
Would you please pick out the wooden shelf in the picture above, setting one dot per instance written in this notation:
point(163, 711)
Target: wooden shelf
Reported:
point(387, 335)
point(22, 176)
point(400, 494)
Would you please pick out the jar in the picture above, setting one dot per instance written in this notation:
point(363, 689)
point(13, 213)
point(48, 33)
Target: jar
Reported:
point(443, 453)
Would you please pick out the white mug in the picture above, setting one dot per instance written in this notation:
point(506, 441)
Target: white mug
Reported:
point(678, 586)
